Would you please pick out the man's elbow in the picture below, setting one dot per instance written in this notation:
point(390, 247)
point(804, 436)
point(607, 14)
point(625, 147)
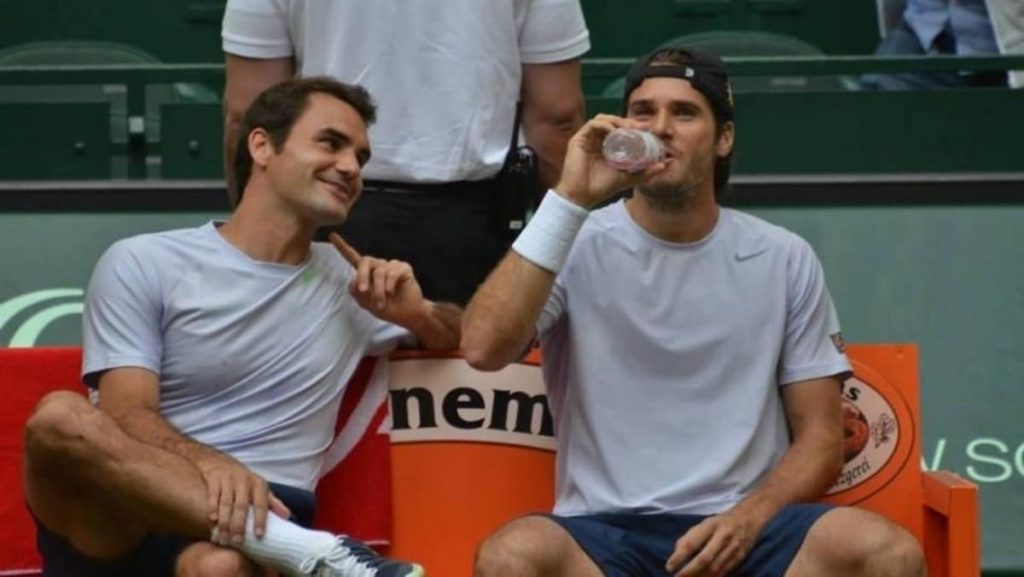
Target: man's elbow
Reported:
point(835, 469)
point(480, 356)
point(483, 350)
point(562, 116)
point(834, 461)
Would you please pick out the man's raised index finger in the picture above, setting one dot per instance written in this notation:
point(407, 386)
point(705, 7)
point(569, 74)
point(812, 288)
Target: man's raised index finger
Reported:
point(347, 252)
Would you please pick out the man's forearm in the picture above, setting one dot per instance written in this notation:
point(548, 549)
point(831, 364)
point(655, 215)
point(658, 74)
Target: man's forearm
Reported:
point(440, 327)
point(549, 136)
point(244, 80)
point(231, 126)
point(150, 428)
point(804, 474)
point(553, 111)
point(499, 322)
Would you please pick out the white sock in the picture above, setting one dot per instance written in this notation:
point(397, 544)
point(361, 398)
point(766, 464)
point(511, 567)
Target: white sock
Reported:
point(285, 546)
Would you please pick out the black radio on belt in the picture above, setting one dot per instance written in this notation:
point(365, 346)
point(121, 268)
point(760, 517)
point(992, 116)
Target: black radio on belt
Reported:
point(518, 190)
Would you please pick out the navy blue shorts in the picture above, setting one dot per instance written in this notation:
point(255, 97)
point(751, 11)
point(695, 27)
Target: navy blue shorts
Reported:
point(632, 545)
point(155, 556)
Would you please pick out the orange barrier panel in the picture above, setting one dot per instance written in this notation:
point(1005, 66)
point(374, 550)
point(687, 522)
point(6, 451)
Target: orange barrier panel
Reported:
point(470, 451)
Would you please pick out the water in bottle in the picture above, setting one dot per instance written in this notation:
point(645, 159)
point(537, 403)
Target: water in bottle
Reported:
point(632, 150)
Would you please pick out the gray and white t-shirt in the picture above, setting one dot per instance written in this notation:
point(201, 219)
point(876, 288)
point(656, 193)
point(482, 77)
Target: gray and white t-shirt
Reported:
point(663, 361)
point(252, 356)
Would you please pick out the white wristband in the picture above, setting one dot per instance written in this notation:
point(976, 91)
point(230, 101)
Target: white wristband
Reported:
point(546, 240)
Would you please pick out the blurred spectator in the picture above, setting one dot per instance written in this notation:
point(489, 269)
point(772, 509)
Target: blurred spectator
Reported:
point(446, 76)
point(953, 27)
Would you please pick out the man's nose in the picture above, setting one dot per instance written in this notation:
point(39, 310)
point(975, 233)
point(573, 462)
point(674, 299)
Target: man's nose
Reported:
point(348, 164)
point(661, 123)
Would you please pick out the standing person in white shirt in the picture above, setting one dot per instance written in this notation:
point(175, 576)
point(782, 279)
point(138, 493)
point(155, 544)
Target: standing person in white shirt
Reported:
point(693, 361)
point(218, 356)
point(447, 75)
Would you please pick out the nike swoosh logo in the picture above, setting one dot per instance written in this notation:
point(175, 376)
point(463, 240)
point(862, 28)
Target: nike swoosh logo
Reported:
point(747, 255)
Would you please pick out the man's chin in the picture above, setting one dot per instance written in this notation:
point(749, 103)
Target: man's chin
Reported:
point(663, 189)
point(332, 217)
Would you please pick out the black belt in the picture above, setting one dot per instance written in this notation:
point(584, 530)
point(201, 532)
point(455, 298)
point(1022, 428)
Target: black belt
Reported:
point(457, 188)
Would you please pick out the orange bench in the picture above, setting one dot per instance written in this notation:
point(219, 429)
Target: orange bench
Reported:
point(470, 451)
point(454, 483)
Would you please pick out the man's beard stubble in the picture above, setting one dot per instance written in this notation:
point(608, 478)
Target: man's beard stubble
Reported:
point(678, 195)
point(669, 198)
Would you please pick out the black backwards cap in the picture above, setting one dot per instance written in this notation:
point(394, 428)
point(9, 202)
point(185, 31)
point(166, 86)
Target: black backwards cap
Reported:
point(704, 71)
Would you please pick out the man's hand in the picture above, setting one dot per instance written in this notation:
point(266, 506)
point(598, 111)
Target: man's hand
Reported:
point(232, 489)
point(386, 288)
point(586, 179)
point(714, 547)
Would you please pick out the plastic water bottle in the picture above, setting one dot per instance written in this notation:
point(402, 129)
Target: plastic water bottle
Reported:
point(632, 150)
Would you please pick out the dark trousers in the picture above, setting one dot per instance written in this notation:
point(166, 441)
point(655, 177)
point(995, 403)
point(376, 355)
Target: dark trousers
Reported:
point(449, 233)
point(901, 41)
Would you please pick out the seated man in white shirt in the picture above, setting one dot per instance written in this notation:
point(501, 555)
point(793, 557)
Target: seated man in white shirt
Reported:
point(218, 356)
point(693, 362)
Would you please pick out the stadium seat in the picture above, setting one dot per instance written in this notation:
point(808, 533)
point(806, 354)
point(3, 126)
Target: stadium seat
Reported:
point(745, 43)
point(73, 52)
point(88, 52)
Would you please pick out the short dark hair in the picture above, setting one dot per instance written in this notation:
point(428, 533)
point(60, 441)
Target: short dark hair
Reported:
point(707, 73)
point(279, 107)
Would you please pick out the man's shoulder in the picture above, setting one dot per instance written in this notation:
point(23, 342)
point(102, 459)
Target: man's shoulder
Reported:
point(604, 220)
point(604, 227)
point(325, 254)
point(157, 246)
point(752, 231)
point(166, 238)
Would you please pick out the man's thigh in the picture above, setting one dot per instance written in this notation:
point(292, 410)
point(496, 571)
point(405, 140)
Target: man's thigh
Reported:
point(901, 41)
point(155, 556)
point(533, 545)
point(851, 541)
point(782, 540)
point(209, 560)
point(150, 554)
point(628, 545)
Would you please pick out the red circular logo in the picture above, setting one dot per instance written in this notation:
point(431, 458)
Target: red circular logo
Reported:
point(879, 433)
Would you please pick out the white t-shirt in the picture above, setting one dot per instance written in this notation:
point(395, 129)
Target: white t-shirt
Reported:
point(445, 73)
point(663, 361)
point(252, 356)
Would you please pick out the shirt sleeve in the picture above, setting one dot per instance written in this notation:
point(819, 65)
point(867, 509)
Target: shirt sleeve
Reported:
point(813, 344)
point(554, 308)
point(256, 29)
point(553, 31)
point(385, 337)
point(121, 320)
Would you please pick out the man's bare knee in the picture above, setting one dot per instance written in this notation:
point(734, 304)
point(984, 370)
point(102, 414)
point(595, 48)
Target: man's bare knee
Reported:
point(527, 547)
point(208, 560)
point(850, 541)
point(59, 425)
point(895, 553)
point(58, 456)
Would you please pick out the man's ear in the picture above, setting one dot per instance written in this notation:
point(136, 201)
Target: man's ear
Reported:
point(725, 140)
point(260, 147)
